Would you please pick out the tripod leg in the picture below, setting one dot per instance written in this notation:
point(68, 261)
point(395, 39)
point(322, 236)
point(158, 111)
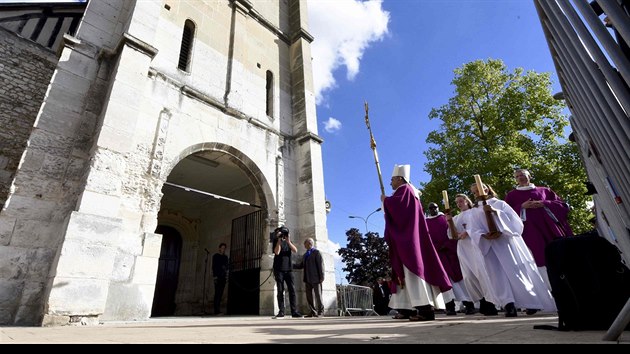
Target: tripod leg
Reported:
point(205, 272)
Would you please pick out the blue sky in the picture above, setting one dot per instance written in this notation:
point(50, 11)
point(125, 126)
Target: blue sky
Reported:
point(399, 55)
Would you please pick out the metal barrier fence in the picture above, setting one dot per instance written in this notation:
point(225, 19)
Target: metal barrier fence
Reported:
point(355, 299)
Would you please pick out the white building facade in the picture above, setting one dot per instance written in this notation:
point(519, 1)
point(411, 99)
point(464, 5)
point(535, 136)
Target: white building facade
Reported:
point(168, 127)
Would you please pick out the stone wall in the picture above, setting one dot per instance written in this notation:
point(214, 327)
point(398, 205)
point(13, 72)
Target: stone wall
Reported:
point(25, 71)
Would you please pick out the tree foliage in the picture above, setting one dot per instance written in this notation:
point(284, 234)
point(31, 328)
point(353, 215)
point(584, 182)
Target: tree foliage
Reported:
point(498, 121)
point(366, 257)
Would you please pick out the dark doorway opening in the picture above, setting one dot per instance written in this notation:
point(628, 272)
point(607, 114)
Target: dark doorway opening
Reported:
point(246, 250)
point(168, 272)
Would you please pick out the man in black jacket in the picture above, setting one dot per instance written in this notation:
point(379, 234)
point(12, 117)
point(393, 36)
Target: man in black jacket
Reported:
point(380, 295)
point(219, 272)
point(283, 270)
point(313, 265)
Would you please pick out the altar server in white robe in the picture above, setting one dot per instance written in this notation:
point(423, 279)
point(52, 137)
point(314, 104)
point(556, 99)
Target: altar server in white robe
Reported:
point(511, 267)
point(473, 266)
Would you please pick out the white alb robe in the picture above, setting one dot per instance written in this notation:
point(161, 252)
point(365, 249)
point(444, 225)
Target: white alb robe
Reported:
point(417, 292)
point(511, 268)
point(472, 263)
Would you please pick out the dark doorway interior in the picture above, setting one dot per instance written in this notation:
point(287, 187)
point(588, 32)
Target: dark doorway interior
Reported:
point(246, 250)
point(244, 294)
point(168, 272)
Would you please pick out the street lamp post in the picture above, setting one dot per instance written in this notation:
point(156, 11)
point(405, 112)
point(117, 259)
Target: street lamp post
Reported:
point(365, 220)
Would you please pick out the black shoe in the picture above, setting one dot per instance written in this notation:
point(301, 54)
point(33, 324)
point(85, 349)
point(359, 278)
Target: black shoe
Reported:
point(491, 312)
point(424, 316)
point(311, 315)
point(280, 315)
point(530, 311)
point(510, 310)
point(450, 308)
point(296, 315)
point(470, 308)
point(471, 311)
point(400, 316)
point(487, 308)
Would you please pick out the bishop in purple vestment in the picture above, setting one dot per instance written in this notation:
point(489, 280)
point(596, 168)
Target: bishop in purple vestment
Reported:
point(417, 272)
point(543, 213)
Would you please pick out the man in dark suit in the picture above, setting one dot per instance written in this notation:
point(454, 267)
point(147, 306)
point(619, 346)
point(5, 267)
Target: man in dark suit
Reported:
point(381, 294)
point(313, 265)
point(219, 272)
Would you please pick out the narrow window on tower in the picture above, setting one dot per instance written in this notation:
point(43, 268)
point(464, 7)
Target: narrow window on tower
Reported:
point(269, 90)
point(186, 48)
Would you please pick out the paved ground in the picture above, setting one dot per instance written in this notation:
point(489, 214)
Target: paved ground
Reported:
point(459, 329)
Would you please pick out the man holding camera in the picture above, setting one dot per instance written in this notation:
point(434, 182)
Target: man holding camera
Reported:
point(283, 270)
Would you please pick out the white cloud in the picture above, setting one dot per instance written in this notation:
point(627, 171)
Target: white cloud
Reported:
point(343, 30)
point(332, 125)
point(331, 247)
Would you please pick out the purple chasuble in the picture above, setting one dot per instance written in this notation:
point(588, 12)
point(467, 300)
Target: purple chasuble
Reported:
point(446, 247)
point(540, 228)
point(409, 242)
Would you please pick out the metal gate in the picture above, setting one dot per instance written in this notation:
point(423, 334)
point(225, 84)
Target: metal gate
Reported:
point(246, 249)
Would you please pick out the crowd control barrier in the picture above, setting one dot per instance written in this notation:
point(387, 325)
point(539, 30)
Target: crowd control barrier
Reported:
point(355, 300)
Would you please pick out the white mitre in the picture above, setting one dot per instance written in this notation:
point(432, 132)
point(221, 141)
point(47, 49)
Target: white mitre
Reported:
point(403, 171)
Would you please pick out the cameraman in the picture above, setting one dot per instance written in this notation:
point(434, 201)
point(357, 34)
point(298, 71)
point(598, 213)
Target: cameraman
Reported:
point(283, 270)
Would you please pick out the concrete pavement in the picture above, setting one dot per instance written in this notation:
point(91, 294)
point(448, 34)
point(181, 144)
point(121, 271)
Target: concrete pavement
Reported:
point(460, 329)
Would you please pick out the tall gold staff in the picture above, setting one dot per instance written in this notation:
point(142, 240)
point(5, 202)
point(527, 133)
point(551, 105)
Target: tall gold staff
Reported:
point(373, 146)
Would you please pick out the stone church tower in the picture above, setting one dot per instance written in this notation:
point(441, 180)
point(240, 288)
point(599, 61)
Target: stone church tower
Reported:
point(163, 129)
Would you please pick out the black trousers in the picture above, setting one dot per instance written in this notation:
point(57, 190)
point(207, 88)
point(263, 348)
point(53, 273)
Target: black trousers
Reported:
point(281, 279)
point(219, 287)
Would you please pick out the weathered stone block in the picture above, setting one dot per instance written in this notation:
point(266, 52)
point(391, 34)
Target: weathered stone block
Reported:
point(94, 228)
point(37, 234)
point(7, 224)
point(13, 263)
point(129, 302)
point(145, 270)
point(35, 208)
point(74, 297)
point(55, 320)
point(32, 292)
point(34, 160)
point(84, 259)
point(39, 262)
point(99, 204)
point(152, 245)
point(123, 266)
point(10, 291)
point(28, 315)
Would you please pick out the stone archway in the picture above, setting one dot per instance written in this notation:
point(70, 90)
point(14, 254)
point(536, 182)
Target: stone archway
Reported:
point(208, 187)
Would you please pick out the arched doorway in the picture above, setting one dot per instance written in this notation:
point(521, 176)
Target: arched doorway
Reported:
point(204, 194)
point(168, 272)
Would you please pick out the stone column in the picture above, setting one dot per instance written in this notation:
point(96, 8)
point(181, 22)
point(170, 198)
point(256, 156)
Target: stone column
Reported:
point(109, 255)
point(311, 203)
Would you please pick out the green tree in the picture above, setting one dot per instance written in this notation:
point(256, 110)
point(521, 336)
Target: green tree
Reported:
point(366, 257)
point(498, 121)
